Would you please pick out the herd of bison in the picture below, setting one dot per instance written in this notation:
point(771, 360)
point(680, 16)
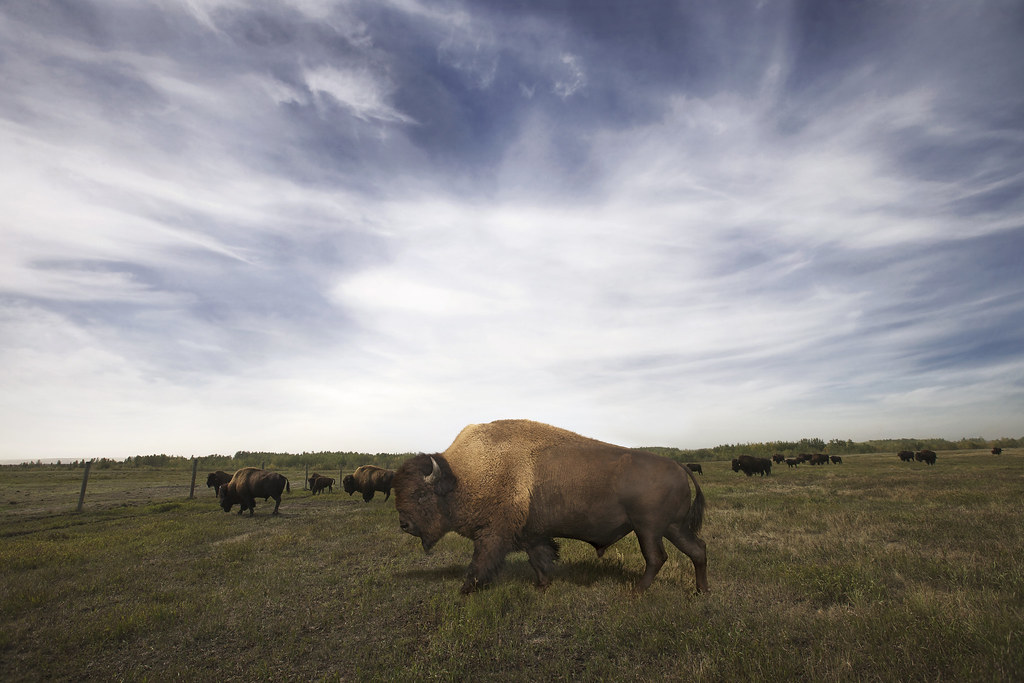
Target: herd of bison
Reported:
point(750, 465)
point(249, 483)
point(509, 485)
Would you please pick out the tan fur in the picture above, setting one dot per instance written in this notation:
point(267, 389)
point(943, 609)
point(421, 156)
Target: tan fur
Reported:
point(517, 484)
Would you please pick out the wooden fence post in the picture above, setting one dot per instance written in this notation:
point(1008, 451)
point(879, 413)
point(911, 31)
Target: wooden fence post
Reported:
point(192, 489)
point(85, 480)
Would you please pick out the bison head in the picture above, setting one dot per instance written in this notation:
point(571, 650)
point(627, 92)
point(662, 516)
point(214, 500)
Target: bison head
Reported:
point(225, 499)
point(422, 486)
point(349, 482)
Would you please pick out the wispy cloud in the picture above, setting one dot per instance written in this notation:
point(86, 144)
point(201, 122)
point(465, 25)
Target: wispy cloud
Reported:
point(363, 225)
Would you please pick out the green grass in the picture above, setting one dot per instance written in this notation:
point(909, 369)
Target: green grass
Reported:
point(870, 570)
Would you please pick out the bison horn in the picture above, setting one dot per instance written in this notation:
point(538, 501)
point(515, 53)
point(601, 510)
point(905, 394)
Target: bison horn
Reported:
point(435, 472)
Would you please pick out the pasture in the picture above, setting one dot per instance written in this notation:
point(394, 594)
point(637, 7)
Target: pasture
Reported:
point(869, 570)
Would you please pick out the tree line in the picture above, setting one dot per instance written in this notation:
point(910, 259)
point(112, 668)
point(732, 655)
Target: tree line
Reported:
point(350, 460)
point(832, 447)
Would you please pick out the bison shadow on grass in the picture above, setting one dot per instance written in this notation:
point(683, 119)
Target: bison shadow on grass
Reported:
point(583, 573)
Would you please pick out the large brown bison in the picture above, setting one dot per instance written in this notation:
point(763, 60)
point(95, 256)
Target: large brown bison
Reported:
point(250, 483)
point(216, 480)
point(517, 485)
point(367, 479)
point(925, 456)
point(750, 465)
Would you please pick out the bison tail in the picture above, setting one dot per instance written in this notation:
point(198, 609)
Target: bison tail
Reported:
point(695, 515)
point(287, 485)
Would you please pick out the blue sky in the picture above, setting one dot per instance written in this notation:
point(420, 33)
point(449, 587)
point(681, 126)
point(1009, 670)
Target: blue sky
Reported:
point(317, 225)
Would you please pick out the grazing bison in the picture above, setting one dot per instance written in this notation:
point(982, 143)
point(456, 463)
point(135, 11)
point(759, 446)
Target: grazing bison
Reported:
point(925, 456)
point(996, 450)
point(750, 465)
point(216, 480)
point(695, 467)
point(819, 459)
point(368, 479)
point(517, 485)
point(792, 462)
point(836, 460)
point(778, 458)
point(320, 483)
point(250, 483)
point(906, 456)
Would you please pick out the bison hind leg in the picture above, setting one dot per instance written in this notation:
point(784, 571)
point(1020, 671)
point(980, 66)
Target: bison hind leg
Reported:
point(543, 555)
point(693, 546)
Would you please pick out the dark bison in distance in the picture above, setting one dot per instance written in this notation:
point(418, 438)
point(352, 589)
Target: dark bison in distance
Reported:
point(925, 456)
point(695, 468)
point(367, 479)
point(216, 480)
point(250, 483)
point(792, 462)
point(318, 483)
point(517, 485)
point(750, 465)
point(906, 456)
point(996, 450)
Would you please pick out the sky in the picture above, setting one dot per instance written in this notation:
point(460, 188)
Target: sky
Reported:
point(312, 225)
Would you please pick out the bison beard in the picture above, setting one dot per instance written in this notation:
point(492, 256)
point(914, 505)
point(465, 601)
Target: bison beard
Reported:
point(516, 485)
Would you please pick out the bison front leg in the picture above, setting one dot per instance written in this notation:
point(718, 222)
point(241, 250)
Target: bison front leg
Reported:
point(488, 556)
point(543, 556)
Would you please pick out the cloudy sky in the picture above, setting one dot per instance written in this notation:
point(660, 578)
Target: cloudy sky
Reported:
point(363, 224)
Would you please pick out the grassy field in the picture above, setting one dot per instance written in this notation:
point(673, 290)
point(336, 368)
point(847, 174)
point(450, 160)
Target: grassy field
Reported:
point(869, 570)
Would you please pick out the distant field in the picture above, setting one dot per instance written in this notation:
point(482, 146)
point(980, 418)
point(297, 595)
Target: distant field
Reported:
point(869, 570)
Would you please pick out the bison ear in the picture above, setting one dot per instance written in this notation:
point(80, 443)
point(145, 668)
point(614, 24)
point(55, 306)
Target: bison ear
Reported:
point(440, 478)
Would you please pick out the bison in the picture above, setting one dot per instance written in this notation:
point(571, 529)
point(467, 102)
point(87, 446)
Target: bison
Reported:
point(836, 460)
point(516, 485)
point(216, 480)
point(750, 465)
point(819, 459)
point(925, 456)
point(696, 468)
point(996, 450)
point(906, 456)
point(792, 462)
point(250, 483)
point(368, 479)
point(778, 458)
point(318, 484)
